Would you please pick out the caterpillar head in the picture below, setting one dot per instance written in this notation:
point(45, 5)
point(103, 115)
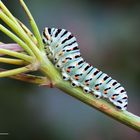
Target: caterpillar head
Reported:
point(46, 38)
point(46, 35)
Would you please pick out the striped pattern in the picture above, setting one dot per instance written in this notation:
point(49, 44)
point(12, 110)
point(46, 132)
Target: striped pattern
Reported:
point(62, 49)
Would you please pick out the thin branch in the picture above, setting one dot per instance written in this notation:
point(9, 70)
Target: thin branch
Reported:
point(28, 32)
point(33, 25)
point(32, 79)
point(12, 61)
point(21, 34)
point(39, 80)
point(14, 71)
point(124, 117)
point(17, 22)
point(17, 55)
point(8, 13)
point(11, 46)
point(16, 39)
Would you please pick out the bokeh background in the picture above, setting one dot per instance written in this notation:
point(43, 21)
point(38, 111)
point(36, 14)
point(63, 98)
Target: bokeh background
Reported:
point(108, 33)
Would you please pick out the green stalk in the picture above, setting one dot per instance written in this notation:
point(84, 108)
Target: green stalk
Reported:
point(14, 72)
point(105, 107)
point(16, 39)
point(28, 32)
point(33, 25)
point(17, 55)
point(21, 34)
point(8, 13)
point(12, 61)
point(30, 78)
point(17, 22)
point(124, 117)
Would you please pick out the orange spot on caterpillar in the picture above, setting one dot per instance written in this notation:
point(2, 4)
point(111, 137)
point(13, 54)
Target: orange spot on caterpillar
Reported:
point(105, 92)
point(113, 97)
point(97, 88)
point(76, 77)
point(68, 70)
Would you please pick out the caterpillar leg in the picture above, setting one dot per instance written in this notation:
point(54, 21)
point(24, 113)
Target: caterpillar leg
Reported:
point(86, 89)
point(74, 83)
point(65, 76)
point(97, 94)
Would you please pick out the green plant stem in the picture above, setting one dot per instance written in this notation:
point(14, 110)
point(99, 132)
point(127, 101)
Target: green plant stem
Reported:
point(14, 71)
point(124, 117)
point(33, 25)
point(8, 13)
point(28, 32)
point(21, 34)
point(12, 61)
point(17, 22)
point(39, 80)
point(17, 55)
point(16, 39)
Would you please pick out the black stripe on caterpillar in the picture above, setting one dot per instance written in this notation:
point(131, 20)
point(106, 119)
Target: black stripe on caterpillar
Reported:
point(62, 49)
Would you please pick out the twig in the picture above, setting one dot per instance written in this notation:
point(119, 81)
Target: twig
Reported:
point(16, 39)
point(33, 25)
point(11, 46)
point(21, 34)
point(28, 32)
point(39, 80)
point(124, 117)
point(17, 22)
point(12, 61)
point(14, 71)
point(103, 106)
point(17, 55)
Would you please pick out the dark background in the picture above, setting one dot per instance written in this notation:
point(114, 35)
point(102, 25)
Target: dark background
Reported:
point(108, 33)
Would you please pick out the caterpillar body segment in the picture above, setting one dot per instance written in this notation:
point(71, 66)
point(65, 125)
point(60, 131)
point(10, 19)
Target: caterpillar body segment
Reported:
point(62, 49)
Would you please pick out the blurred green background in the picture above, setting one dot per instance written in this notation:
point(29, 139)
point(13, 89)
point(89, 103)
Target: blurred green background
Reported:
point(108, 33)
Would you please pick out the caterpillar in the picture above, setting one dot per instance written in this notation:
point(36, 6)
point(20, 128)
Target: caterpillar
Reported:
point(62, 49)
